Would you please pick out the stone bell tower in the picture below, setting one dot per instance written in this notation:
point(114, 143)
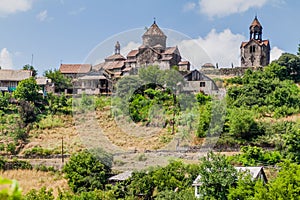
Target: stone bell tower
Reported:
point(256, 51)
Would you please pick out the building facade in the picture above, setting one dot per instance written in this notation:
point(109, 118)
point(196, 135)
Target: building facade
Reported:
point(256, 51)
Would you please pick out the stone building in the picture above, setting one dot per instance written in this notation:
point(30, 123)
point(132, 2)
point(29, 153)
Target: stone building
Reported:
point(256, 51)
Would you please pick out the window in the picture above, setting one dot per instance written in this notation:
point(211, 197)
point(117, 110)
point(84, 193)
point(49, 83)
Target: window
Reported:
point(252, 49)
point(202, 84)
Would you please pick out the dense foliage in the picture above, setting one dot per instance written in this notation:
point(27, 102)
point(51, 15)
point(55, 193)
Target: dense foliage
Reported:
point(86, 172)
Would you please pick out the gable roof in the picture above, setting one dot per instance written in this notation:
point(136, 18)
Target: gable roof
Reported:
point(154, 30)
point(255, 173)
point(133, 53)
point(115, 57)
point(260, 43)
point(75, 68)
point(14, 75)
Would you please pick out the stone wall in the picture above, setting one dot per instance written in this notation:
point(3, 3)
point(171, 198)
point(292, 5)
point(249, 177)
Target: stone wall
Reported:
point(236, 71)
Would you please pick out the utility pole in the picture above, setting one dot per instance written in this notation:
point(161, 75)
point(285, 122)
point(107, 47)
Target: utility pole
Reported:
point(62, 150)
point(31, 59)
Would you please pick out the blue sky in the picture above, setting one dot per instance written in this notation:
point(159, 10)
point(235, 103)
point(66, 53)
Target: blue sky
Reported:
point(66, 31)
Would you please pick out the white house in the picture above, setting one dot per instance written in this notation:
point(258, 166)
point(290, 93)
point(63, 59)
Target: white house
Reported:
point(257, 173)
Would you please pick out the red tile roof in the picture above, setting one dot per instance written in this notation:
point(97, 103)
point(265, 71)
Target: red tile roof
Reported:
point(75, 68)
point(132, 53)
point(115, 57)
point(170, 50)
point(260, 43)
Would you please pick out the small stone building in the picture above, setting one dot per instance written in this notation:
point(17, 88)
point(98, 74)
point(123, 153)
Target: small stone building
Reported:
point(198, 82)
point(256, 51)
point(75, 70)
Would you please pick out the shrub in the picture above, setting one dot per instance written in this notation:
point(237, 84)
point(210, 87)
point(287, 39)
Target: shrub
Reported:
point(85, 172)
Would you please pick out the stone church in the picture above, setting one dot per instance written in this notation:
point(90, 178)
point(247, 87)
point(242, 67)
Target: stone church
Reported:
point(256, 51)
point(153, 51)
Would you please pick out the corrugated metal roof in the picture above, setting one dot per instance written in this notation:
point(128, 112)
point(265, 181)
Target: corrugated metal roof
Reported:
point(14, 75)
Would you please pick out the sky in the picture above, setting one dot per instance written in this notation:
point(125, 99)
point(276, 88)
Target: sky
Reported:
point(46, 33)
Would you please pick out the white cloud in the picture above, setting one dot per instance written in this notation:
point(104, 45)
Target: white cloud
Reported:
point(13, 6)
point(130, 46)
point(5, 59)
point(42, 16)
point(222, 48)
point(189, 6)
point(221, 8)
point(275, 53)
point(77, 11)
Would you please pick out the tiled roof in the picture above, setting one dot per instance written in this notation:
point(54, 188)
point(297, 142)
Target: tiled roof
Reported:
point(115, 57)
point(183, 63)
point(260, 43)
point(14, 75)
point(154, 30)
point(132, 53)
point(170, 50)
point(75, 68)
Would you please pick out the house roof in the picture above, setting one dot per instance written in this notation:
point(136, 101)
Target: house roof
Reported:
point(254, 172)
point(14, 75)
point(133, 53)
point(154, 30)
point(170, 50)
point(260, 43)
point(184, 63)
point(75, 68)
point(121, 177)
point(115, 57)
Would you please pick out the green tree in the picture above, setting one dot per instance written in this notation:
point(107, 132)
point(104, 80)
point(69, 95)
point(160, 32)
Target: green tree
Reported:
point(27, 90)
point(31, 68)
point(86, 172)
point(217, 175)
point(242, 124)
point(60, 81)
point(42, 194)
point(292, 143)
point(285, 186)
point(4, 100)
point(292, 64)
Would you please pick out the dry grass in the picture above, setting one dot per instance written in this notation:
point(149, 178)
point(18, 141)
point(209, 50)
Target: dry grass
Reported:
point(52, 138)
point(32, 179)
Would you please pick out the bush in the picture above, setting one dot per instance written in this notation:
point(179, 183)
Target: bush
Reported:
point(49, 122)
point(42, 194)
point(253, 156)
point(38, 151)
point(85, 172)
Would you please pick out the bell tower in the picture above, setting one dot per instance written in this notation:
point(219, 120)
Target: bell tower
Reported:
point(256, 51)
point(255, 30)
